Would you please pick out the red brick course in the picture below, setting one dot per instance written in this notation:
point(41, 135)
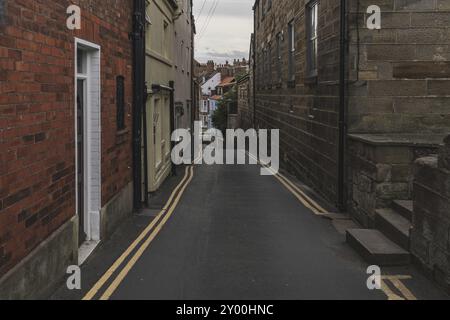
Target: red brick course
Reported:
point(37, 142)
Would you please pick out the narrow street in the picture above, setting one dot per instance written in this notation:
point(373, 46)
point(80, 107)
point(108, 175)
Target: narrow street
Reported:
point(237, 235)
point(103, 105)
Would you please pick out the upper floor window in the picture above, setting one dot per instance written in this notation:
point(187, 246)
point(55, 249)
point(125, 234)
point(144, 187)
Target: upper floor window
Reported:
point(279, 57)
point(265, 77)
point(166, 39)
point(311, 38)
point(263, 9)
point(269, 64)
point(291, 60)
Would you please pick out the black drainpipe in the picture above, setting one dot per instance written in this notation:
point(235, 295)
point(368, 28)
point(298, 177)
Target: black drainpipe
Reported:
point(254, 68)
point(342, 203)
point(138, 36)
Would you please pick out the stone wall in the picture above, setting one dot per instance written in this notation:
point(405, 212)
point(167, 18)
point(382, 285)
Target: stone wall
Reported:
point(305, 109)
point(381, 170)
point(400, 74)
point(430, 237)
point(244, 112)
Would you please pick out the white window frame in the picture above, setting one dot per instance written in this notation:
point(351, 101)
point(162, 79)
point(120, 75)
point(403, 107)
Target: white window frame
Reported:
point(312, 38)
point(291, 50)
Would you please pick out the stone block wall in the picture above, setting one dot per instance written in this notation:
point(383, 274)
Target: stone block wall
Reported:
point(244, 111)
point(430, 237)
point(398, 83)
point(305, 109)
point(400, 75)
point(380, 171)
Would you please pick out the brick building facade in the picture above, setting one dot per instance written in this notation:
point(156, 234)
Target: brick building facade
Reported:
point(39, 104)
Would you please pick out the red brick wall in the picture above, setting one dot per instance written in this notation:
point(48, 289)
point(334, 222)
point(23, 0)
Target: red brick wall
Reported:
point(37, 146)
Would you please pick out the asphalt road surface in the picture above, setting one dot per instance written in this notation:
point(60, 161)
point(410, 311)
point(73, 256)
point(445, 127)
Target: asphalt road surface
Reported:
point(237, 235)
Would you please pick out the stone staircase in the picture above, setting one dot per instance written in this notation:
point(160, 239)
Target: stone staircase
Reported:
point(388, 244)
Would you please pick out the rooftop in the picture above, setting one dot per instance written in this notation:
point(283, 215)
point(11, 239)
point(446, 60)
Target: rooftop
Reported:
point(227, 81)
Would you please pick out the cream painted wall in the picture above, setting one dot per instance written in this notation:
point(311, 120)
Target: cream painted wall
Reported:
point(183, 48)
point(159, 71)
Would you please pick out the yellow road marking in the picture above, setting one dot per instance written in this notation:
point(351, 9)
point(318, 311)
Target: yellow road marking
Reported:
point(309, 199)
point(300, 195)
point(403, 289)
point(397, 282)
point(399, 277)
point(319, 210)
point(91, 294)
point(389, 293)
point(127, 268)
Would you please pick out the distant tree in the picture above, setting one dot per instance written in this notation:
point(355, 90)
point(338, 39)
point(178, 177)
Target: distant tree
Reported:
point(240, 76)
point(220, 116)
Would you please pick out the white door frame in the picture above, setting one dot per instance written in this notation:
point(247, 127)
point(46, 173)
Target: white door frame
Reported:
point(92, 137)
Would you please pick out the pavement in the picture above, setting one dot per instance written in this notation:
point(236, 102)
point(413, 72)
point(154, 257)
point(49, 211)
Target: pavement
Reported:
point(236, 235)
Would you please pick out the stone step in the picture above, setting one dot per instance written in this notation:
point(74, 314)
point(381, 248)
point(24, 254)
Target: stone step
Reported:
point(376, 248)
point(394, 226)
point(404, 207)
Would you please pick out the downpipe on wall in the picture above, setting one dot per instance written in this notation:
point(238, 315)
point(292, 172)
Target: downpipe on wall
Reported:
point(342, 186)
point(139, 94)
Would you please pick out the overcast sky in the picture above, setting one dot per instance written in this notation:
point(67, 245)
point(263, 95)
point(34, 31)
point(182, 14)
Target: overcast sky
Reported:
point(227, 36)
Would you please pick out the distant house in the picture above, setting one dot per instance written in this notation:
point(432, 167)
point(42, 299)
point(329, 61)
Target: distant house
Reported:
point(226, 85)
point(213, 104)
point(210, 84)
point(204, 111)
point(208, 107)
point(239, 67)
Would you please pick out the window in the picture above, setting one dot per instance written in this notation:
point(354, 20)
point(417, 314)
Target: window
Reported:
point(264, 68)
point(269, 66)
point(291, 60)
point(311, 39)
point(166, 39)
point(261, 69)
point(187, 60)
point(279, 41)
point(182, 56)
point(120, 101)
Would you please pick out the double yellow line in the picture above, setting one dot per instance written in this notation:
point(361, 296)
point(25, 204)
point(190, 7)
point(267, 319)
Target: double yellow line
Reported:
point(138, 246)
point(307, 201)
point(399, 285)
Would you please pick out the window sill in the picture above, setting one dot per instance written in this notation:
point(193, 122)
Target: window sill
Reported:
point(121, 136)
point(122, 132)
